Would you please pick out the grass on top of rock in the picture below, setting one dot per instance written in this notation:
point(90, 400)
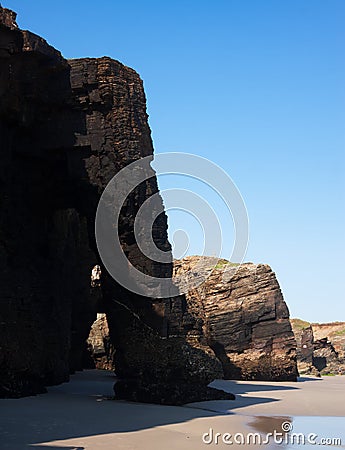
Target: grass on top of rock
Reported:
point(300, 324)
point(222, 263)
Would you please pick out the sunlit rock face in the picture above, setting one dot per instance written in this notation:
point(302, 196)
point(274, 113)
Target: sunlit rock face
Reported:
point(245, 319)
point(66, 128)
point(100, 352)
point(335, 334)
point(320, 347)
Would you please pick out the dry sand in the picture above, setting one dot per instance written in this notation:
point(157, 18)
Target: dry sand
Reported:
point(79, 415)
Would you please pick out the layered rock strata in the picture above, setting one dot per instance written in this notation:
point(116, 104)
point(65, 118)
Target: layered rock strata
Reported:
point(245, 320)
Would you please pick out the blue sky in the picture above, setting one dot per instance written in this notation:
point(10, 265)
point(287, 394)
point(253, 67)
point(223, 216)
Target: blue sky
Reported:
point(258, 87)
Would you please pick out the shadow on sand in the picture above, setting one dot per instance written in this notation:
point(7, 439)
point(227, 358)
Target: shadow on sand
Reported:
point(304, 379)
point(50, 447)
point(83, 408)
point(244, 387)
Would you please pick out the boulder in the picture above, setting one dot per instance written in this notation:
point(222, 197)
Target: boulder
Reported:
point(245, 319)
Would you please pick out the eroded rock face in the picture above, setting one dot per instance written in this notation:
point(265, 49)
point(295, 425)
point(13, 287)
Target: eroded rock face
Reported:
point(305, 345)
point(66, 128)
point(334, 332)
point(8, 18)
point(100, 353)
point(320, 347)
point(245, 320)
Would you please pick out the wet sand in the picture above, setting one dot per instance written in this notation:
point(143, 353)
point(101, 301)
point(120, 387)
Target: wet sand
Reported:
point(80, 415)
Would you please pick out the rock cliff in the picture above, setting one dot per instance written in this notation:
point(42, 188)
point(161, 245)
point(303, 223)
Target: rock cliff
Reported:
point(66, 128)
point(320, 347)
point(334, 332)
point(245, 320)
point(305, 344)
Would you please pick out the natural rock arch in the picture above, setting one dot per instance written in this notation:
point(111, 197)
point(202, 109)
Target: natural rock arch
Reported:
point(66, 128)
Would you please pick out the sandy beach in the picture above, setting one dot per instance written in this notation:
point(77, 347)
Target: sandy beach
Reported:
point(81, 415)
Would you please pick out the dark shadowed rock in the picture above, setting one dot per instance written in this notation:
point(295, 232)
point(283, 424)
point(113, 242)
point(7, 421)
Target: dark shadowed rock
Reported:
point(8, 18)
point(66, 128)
point(164, 394)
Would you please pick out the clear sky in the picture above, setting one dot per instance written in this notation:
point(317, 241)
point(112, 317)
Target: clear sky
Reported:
point(258, 87)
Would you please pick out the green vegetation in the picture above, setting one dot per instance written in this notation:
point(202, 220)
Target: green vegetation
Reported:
point(340, 332)
point(224, 262)
point(300, 324)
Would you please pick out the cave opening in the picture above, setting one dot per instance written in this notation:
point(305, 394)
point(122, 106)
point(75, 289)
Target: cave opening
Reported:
point(93, 348)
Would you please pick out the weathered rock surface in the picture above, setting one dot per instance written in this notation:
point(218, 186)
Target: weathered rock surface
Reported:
point(305, 345)
point(320, 347)
point(100, 352)
point(245, 320)
point(335, 332)
point(66, 128)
